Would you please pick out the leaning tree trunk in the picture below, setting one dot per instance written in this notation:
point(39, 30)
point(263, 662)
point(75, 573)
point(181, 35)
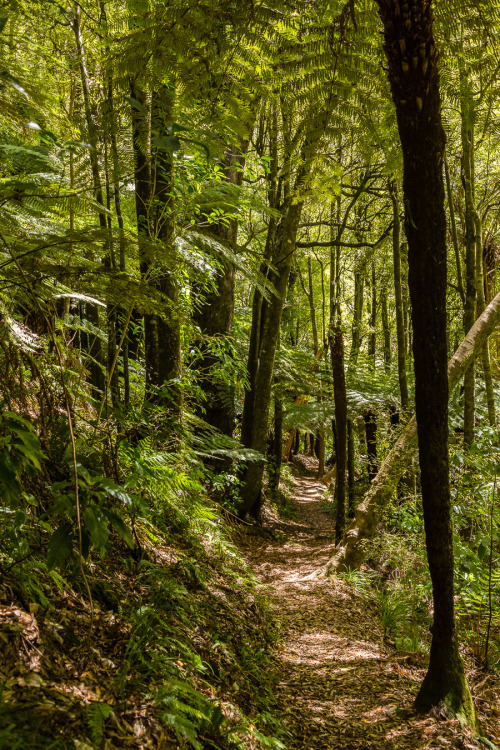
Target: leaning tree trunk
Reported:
point(350, 553)
point(414, 79)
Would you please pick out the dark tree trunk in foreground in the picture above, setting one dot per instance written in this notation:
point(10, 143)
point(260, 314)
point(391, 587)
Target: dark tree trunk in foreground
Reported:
point(414, 79)
point(340, 398)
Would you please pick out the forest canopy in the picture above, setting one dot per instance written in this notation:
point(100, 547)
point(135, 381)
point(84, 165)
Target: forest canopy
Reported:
point(234, 235)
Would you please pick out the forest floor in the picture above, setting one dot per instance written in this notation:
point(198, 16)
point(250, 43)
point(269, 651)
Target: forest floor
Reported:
point(341, 685)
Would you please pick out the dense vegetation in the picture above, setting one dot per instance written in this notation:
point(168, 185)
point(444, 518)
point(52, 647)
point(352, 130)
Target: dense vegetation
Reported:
point(208, 212)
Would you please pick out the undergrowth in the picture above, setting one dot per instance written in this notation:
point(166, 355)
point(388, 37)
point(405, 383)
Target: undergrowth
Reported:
point(175, 641)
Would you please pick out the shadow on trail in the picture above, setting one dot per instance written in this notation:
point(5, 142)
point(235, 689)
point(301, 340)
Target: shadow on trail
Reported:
point(340, 685)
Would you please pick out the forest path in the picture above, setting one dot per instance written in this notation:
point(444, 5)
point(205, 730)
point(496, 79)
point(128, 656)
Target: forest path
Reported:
point(340, 685)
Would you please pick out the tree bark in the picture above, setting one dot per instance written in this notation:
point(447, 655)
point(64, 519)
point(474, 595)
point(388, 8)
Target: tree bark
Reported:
point(387, 330)
point(414, 79)
point(454, 237)
point(467, 135)
point(254, 428)
point(372, 341)
point(96, 372)
point(370, 420)
point(398, 296)
point(168, 326)
point(340, 397)
point(480, 305)
point(350, 466)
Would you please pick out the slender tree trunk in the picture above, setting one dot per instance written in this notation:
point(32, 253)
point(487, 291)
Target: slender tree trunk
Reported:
point(454, 236)
point(141, 135)
point(254, 428)
point(387, 330)
point(257, 401)
point(350, 466)
point(371, 442)
point(357, 317)
point(372, 343)
point(321, 452)
point(312, 307)
point(467, 135)
point(340, 398)
point(121, 231)
point(275, 468)
point(296, 443)
point(398, 296)
point(480, 305)
point(258, 301)
point(96, 372)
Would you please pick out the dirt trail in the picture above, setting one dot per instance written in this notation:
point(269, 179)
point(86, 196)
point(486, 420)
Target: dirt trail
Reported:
point(340, 685)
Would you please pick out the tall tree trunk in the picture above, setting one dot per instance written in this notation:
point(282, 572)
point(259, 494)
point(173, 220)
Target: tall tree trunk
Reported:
point(387, 330)
point(141, 136)
point(370, 420)
point(96, 372)
point(467, 135)
point(357, 316)
point(340, 398)
point(414, 79)
point(258, 301)
point(372, 342)
point(257, 400)
point(254, 427)
point(350, 466)
point(454, 236)
point(480, 305)
point(398, 296)
point(312, 308)
point(275, 467)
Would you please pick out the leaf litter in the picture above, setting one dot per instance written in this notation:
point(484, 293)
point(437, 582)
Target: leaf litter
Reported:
point(341, 686)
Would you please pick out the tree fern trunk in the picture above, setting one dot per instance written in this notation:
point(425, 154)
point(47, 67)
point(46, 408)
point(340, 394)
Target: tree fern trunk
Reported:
point(414, 79)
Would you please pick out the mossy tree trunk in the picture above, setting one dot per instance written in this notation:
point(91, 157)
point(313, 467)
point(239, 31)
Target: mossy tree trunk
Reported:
point(414, 79)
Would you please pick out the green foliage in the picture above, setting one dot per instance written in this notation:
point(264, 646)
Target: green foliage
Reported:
point(97, 713)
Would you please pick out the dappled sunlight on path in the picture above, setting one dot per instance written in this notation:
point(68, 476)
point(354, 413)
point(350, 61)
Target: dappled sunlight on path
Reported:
point(340, 685)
